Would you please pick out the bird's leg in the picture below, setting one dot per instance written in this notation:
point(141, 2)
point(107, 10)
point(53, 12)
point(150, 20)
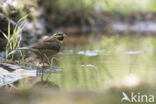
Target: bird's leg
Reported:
point(50, 68)
point(42, 71)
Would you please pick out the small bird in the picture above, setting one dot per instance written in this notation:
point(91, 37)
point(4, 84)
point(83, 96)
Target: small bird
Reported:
point(47, 47)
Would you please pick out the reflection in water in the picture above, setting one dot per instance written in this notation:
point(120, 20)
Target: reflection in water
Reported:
point(88, 65)
point(97, 52)
point(131, 80)
point(134, 52)
point(111, 58)
point(90, 52)
point(144, 26)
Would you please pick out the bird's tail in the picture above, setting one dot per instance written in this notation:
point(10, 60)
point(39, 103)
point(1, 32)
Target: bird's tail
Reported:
point(17, 49)
point(23, 48)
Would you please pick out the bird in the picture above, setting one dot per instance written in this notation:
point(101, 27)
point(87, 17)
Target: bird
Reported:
point(46, 48)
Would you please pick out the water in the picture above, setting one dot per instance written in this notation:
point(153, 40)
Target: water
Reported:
point(95, 66)
point(140, 26)
point(90, 52)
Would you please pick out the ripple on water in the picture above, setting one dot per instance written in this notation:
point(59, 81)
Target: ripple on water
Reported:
point(134, 52)
point(90, 52)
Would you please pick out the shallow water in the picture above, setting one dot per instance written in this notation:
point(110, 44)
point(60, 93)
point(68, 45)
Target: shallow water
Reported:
point(98, 64)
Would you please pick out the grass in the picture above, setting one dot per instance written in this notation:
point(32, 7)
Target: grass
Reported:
point(14, 39)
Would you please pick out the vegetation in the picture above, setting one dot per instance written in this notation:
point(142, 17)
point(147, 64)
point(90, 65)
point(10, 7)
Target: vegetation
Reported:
point(106, 5)
point(68, 12)
point(14, 39)
point(128, 5)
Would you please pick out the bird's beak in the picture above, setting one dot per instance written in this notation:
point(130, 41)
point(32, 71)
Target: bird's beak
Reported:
point(64, 35)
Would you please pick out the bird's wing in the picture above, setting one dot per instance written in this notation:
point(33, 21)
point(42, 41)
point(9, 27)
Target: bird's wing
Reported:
point(50, 43)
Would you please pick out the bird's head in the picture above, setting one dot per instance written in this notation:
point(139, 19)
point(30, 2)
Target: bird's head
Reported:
point(59, 36)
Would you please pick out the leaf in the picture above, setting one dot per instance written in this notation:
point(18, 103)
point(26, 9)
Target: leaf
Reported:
point(24, 17)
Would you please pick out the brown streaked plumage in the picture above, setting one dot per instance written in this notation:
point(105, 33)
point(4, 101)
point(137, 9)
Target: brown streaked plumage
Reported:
point(48, 47)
